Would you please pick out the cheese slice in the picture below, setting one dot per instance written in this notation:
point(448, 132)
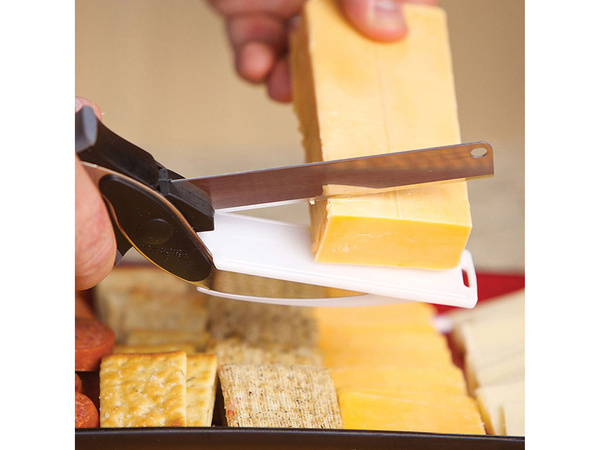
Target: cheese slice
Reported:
point(513, 418)
point(447, 380)
point(509, 368)
point(372, 411)
point(400, 314)
point(496, 402)
point(494, 336)
point(338, 339)
point(374, 353)
point(499, 308)
point(357, 97)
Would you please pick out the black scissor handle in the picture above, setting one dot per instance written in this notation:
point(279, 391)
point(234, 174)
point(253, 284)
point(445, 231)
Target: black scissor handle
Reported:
point(159, 218)
point(155, 228)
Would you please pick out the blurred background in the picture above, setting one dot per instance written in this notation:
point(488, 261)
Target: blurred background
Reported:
point(163, 75)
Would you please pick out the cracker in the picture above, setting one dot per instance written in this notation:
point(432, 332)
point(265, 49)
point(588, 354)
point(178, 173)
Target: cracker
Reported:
point(258, 323)
point(197, 339)
point(155, 348)
point(142, 278)
point(279, 396)
point(147, 297)
point(201, 388)
point(236, 351)
point(165, 310)
point(143, 390)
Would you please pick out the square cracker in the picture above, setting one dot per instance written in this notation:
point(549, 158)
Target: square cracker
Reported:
point(279, 396)
point(143, 390)
point(237, 351)
point(201, 388)
point(198, 339)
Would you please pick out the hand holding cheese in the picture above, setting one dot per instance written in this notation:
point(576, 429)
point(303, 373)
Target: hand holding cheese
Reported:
point(258, 32)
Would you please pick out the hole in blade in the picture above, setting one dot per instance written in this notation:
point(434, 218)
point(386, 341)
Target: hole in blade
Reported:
point(479, 152)
point(465, 277)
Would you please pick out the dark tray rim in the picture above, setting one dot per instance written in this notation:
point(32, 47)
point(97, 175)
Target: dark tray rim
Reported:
point(293, 438)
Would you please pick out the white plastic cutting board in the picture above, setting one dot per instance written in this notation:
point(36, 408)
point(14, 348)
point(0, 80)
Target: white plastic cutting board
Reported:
point(282, 250)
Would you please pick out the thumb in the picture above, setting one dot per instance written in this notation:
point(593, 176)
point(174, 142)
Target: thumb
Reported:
point(95, 245)
point(381, 20)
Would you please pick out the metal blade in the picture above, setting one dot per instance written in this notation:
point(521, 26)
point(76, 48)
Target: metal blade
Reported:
point(306, 181)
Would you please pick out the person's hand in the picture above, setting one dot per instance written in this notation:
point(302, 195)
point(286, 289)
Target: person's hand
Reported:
point(95, 245)
point(258, 32)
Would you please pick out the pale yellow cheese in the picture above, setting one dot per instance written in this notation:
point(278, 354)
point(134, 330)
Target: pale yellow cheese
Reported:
point(357, 97)
point(496, 403)
point(498, 309)
point(513, 418)
point(448, 414)
point(508, 368)
point(495, 336)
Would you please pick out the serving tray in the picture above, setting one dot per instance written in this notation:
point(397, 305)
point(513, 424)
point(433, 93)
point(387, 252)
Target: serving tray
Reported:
point(489, 285)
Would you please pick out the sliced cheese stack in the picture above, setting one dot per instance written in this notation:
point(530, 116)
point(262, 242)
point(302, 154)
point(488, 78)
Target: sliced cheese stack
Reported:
point(491, 339)
point(357, 97)
point(393, 370)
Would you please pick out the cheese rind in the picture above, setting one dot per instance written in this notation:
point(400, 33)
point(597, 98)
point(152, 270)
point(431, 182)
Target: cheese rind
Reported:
point(357, 97)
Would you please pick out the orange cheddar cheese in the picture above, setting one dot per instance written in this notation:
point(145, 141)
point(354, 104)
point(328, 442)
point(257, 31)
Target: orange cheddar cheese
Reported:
point(447, 380)
point(357, 97)
point(385, 411)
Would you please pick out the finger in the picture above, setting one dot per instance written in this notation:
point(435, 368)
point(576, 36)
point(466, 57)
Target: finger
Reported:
point(95, 246)
point(257, 27)
point(80, 102)
point(381, 20)
point(254, 61)
point(279, 84)
point(278, 8)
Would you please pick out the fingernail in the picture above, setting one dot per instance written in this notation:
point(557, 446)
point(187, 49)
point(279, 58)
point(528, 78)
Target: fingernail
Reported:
point(386, 14)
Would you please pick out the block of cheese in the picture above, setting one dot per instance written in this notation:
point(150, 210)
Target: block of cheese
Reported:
point(384, 411)
point(356, 97)
point(447, 380)
point(496, 402)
